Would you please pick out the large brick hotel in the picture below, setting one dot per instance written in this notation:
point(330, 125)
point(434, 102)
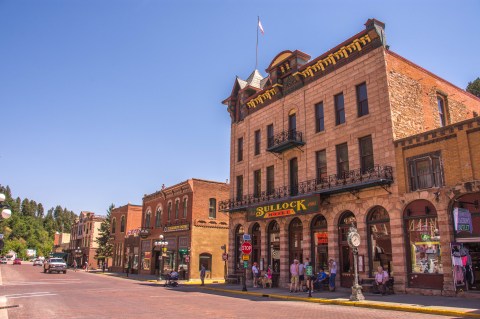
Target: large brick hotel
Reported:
point(357, 135)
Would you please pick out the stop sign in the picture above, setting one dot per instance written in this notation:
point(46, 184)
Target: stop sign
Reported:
point(246, 248)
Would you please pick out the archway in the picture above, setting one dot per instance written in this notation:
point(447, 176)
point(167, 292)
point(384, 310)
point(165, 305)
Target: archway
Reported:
point(274, 251)
point(346, 255)
point(319, 236)
point(295, 236)
point(256, 244)
point(379, 240)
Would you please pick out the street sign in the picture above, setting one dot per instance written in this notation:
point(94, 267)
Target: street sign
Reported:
point(246, 237)
point(245, 264)
point(246, 257)
point(225, 256)
point(246, 248)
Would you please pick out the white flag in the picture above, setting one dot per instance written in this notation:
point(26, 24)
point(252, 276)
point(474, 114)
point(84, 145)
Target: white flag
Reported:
point(260, 26)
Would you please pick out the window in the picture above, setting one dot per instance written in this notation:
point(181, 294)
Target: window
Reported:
point(122, 224)
point(270, 180)
point(185, 207)
point(147, 220)
point(158, 218)
point(240, 150)
point(205, 260)
point(257, 142)
point(362, 99)
point(212, 211)
point(114, 225)
point(441, 110)
point(292, 124)
point(239, 187)
point(321, 161)
point(257, 183)
point(339, 109)
point(366, 153)
point(342, 160)
point(319, 119)
point(425, 171)
point(270, 137)
point(177, 206)
point(169, 211)
point(293, 164)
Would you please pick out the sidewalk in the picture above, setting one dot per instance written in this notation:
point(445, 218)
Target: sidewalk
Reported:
point(439, 305)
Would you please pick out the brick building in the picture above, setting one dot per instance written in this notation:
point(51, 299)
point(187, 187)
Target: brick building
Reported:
point(61, 242)
point(439, 176)
point(83, 246)
point(124, 220)
point(312, 151)
point(187, 215)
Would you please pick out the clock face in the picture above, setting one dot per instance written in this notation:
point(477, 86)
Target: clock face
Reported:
point(355, 239)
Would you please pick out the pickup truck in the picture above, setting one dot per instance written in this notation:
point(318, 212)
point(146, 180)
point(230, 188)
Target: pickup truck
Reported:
point(55, 264)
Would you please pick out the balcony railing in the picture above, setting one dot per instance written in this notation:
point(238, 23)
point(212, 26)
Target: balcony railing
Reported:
point(144, 232)
point(285, 140)
point(332, 184)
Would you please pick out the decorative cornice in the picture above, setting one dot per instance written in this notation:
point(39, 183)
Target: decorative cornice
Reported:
point(267, 95)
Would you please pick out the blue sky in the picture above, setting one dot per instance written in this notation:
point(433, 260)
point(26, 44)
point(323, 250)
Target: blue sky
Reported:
point(104, 101)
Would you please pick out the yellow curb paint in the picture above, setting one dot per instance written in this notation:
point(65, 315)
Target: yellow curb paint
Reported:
point(363, 304)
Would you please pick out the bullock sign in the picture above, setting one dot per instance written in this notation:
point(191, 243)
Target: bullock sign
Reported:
point(299, 206)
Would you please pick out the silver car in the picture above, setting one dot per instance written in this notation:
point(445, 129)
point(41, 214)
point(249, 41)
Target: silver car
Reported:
point(55, 264)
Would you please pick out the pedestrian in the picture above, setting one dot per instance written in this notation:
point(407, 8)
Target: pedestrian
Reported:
point(202, 274)
point(301, 275)
point(381, 280)
point(268, 278)
point(309, 277)
point(294, 275)
point(86, 266)
point(256, 274)
point(321, 278)
point(332, 267)
point(74, 265)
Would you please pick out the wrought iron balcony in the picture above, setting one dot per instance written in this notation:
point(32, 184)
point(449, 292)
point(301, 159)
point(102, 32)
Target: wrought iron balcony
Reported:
point(284, 141)
point(144, 232)
point(351, 181)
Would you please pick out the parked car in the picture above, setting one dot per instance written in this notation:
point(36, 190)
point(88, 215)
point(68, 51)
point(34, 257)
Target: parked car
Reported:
point(3, 260)
point(55, 264)
point(17, 261)
point(37, 262)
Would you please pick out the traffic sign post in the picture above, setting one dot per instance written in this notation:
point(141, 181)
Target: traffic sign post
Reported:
point(246, 257)
point(246, 250)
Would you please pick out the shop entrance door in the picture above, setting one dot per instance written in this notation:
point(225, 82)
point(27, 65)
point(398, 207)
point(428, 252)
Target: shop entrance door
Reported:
point(274, 251)
point(346, 255)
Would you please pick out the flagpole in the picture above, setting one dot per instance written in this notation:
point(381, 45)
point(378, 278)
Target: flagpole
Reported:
point(256, 47)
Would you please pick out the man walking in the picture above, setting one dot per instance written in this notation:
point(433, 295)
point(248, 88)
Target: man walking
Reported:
point(202, 274)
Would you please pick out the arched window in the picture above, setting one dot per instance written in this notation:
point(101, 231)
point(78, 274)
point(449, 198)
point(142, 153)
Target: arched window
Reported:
point(158, 218)
point(295, 240)
point(238, 242)
point(147, 219)
point(379, 240)
point(169, 211)
point(122, 224)
point(114, 225)
point(256, 243)
point(177, 208)
point(346, 253)
point(185, 207)
point(274, 251)
point(319, 235)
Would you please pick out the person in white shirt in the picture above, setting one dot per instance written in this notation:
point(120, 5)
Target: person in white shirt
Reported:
point(256, 274)
point(381, 280)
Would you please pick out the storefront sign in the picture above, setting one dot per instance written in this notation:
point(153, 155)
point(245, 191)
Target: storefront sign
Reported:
point(322, 238)
point(288, 208)
point(462, 220)
point(176, 228)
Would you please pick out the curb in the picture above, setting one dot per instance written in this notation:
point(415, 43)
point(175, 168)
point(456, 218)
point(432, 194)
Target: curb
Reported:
point(362, 304)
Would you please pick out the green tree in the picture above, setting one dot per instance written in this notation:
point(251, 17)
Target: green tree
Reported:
point(474, 87)
point(105, 246)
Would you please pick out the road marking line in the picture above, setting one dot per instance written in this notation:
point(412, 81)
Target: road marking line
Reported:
point(29, 293)
point(30, 296)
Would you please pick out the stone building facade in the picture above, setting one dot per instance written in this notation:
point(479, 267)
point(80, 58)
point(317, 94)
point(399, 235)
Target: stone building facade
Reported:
point(187, 216)
point(83, 245)
point(124, 221)
point(312, 151)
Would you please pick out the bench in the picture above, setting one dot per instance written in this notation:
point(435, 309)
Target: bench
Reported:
point(368, 286)
point(233, 279)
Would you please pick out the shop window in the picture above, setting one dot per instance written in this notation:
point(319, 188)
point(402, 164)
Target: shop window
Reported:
point(426, 171)
point(380, 244)
point(256, 243)
point(274, 251)
point(295, 240)
point(319, 245)
point(122, 224)
point(205, 260)
point(212, 211)
point(114, 225)
point(346, 255)
point(362, 99)
point(238, 242)
point(423, 242)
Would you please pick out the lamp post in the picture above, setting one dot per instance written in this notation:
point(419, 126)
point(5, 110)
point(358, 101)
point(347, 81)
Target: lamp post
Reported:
point(78, 253)
point(163, 244)
point(4, 208)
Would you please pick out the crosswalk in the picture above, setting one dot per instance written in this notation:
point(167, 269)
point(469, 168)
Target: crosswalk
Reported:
point(30, 295)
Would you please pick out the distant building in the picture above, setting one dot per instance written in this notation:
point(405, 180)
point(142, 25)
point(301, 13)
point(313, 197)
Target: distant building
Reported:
point(187, 215)
point(61, 242)
point(84, 232)
point(125, 220)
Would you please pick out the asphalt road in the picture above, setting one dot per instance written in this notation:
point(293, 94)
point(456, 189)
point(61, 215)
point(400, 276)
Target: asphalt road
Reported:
point(32, 294)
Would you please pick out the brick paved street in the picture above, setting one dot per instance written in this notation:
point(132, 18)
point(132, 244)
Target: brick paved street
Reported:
point(86, 295)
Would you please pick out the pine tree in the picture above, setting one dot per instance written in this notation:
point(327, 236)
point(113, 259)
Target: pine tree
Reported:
point(105, 246)
point(474, 87)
